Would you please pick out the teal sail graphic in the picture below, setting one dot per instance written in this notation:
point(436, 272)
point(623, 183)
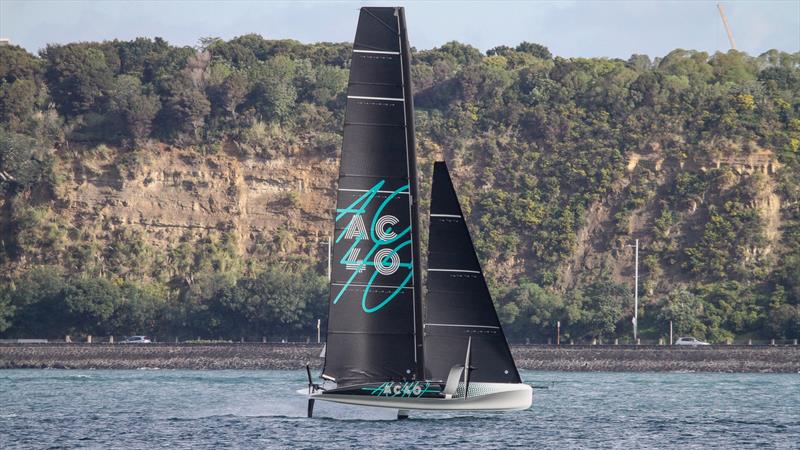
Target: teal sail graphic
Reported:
point(383, 259)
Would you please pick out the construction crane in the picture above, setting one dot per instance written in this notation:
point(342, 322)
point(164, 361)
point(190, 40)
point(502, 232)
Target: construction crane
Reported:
point(727, 25)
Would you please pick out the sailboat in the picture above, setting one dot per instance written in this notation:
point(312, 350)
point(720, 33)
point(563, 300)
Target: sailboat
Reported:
point(386, 347)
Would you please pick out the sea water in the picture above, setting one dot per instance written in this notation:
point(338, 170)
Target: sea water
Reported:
point(260, 409)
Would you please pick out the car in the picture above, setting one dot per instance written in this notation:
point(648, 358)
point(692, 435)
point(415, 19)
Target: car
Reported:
point(136, 340)
point(690, 341)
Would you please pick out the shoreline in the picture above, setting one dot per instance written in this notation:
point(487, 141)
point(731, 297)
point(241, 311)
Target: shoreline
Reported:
point(200, 356)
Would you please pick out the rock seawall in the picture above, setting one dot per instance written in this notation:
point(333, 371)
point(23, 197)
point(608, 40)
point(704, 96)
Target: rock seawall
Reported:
point(784, 359)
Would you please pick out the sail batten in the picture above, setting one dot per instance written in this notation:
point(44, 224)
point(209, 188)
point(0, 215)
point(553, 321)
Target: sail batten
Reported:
point(459, 308)
point(374, 294)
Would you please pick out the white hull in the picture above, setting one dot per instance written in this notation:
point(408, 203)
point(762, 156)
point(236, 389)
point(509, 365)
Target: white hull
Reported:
point(491, 397)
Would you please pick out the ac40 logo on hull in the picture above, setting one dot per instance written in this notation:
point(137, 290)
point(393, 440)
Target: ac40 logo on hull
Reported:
point(407, 389)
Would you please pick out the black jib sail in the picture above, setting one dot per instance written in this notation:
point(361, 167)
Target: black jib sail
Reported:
point(375, 298)
point(458, 304)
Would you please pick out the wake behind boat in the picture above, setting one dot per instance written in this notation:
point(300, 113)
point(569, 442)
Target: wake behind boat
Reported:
point(385, 346)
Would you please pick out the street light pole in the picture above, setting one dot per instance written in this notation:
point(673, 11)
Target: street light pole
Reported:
point(558, 333)
point(670, 333)
point(329, 260)
point(636, 295)
point(328, 243)
point(635, 292)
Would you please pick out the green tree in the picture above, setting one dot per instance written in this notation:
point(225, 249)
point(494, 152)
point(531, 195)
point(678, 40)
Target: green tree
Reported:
point(17, 101)
point(537, 50)
point(329, 81)
point(605, 306)
point(185, 108)
point(78, 77)
point(278, 300)
point(230, 93)
point(136, 106)
point(23, 163)
point(7, 310)
point(18, 64)
point(139, 57)
point(783, 321)
point(38, 301)
point(91, 304)
point(274, 93)
point(731, 308)
point(139, 309)
point(531, 311)
point(686, 312)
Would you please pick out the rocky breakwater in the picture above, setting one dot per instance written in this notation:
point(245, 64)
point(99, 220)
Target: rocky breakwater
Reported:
point(160, 356)
point(783, 359)
point(623, 358)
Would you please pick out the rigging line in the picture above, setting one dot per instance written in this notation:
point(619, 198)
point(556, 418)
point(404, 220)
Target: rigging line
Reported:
point(453, 270)
point(397, 32)
point(377, 52)
point(369, 190)
point(461, 326)
point(383, 177)
point(373, 83)
point(454, 291)
point(388, 99)
point(374, 124)
point(393, 333)
point(373, 286)
point(367, 45)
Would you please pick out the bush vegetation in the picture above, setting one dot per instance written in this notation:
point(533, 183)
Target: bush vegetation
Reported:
point(537, 141)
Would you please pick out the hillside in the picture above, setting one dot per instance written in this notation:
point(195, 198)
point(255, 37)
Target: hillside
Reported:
point(148, 188)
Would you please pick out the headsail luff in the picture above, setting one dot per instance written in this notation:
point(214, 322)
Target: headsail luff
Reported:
point(458, 304)
point(374, 297)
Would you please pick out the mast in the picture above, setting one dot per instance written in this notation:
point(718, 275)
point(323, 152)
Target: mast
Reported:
point(412, 175)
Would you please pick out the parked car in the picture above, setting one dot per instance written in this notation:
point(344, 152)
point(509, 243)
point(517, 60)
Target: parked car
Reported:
point(694, 342)
point(136, 340)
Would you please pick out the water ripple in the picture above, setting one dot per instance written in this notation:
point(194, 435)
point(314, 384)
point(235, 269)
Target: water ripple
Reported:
point(259, 409)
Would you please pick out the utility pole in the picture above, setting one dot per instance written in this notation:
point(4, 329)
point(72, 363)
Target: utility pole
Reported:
point(558, 333)
point(328, 243)
point(727, 25)
point(329, 260)
point(670, 333)
point(636, 293)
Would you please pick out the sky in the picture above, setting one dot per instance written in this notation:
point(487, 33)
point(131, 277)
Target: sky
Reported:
point(614, 29)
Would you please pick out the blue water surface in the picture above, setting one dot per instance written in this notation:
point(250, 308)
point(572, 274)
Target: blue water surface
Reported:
point(260, 409)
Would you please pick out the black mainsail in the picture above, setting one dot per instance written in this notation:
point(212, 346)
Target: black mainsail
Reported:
point(374, 322)
point(458, 303)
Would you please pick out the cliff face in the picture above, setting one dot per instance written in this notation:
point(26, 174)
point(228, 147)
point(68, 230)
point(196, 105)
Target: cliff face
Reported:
point(605, 241)
point(168, 195)
point(282, 206)
point(172, 190)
